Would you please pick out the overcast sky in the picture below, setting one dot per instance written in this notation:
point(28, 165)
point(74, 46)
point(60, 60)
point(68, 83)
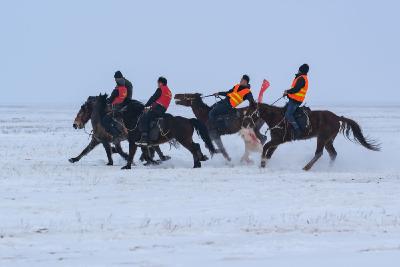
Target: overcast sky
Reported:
point(64, 51)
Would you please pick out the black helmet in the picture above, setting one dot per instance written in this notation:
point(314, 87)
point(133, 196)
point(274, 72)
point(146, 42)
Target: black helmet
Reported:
point(304, 68)
point(162, 80)
point(246, 78)
point(118, 74)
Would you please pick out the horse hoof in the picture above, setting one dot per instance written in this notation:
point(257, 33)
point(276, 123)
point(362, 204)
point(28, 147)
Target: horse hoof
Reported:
point(197, 165)
point(165, 158)
point(307, 168)
point(72, 160)
point(127, 167)
point(110, 164)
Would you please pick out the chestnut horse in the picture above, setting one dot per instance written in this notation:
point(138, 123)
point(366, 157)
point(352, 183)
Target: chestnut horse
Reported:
point(324, 125)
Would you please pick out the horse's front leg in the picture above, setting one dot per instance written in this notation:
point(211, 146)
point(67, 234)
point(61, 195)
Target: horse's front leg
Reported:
point(108, 149)
point(93, 143)
point(119, 150)
point(268, 149)
point(132, 151)
point(217, 139)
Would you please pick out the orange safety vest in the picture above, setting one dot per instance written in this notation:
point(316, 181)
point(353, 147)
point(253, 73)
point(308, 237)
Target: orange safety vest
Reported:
point(300, 95)
point(122, 94)
point(236, 97)
point(165, 98)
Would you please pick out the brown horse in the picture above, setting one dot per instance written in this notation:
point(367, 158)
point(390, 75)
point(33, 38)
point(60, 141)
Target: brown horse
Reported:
point(201, 110)
point(175, 128)
point(324, 125)
point(83, 116)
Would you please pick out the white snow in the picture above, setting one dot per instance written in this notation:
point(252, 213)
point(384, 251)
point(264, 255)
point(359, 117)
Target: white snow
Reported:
point(54, 213)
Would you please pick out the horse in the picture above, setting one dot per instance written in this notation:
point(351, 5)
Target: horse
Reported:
point(201, 110)
point(175, 128)
point(84, 115)
point(323, 125)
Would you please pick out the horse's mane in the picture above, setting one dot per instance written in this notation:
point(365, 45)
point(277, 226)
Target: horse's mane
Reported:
point(135, 106)
point(201, 103)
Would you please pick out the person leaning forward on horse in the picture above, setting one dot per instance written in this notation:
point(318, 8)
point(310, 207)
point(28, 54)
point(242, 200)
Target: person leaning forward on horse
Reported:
point(122, 93)
point(296, 96)
point(155, 107)
point(120, 97)
point(234, 97)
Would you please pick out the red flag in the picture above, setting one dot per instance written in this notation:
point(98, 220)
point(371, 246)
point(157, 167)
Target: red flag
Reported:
point(264, 87)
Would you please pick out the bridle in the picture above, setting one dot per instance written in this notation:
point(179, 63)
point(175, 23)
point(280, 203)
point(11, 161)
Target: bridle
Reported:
point(256, 112)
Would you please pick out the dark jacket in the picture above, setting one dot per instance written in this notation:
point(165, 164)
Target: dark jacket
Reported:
point(129, 88)
point(249, 97)
point(152, 100)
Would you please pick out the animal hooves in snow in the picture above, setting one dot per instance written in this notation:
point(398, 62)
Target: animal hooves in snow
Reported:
point(126, 167)
point(72, 160)
point(263, 164)
point(307, 168)
point(197, 166)
point(110, 164)
point(165, 158)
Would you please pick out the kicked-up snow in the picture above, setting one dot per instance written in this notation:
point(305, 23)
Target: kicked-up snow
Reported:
point(54, 213)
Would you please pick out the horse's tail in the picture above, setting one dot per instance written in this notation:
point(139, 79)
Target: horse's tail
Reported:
point(358, 137)
point(202, 131)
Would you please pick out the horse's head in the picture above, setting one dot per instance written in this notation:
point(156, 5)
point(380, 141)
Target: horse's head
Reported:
point(84, 113)
point(187, 99)
point(250, 116)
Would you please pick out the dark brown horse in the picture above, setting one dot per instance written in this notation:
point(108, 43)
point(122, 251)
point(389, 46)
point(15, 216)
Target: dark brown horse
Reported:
point(175, 128)
point(83, 116)
point(324, 125)
point(201, 110)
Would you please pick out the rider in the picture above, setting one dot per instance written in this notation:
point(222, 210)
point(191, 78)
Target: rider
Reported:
point(234, 97)
point(120, 97)
point(122, 93)
point(155, 107)
point(296, 96)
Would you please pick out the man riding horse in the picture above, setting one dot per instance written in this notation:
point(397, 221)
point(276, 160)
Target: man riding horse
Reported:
point(120, 97)
point(233, 98)
point(122, 92)
point(155, 107)
point(296, 96)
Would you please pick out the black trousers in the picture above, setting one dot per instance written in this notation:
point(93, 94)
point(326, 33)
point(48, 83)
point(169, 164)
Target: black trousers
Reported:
point(221, 108)
point(155, 112)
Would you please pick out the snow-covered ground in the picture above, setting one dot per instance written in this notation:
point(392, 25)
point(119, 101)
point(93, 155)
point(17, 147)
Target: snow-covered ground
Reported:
point(54, 213)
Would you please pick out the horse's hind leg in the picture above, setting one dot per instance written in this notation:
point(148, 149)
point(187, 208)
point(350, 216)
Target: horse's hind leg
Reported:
point(194, 148)
point(93, 143)
point(161, 154)
point(318, 153)
point(119, 150)
point(331, 151)
point(108, 149)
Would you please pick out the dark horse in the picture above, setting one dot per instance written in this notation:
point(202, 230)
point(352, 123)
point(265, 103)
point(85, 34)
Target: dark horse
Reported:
point(324, 125)
point(83, 116)
point(201, 110)
point(175, 128)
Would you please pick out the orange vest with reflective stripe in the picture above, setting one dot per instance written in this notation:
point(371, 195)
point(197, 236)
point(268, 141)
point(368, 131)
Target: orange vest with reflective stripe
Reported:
point(122, 94)
point(300, 95)
point(236, 97)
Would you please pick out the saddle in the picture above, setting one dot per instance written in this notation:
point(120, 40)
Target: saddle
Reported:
point(302, 117)
point(158, 127)
point(114, 125)
point(222, 122)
